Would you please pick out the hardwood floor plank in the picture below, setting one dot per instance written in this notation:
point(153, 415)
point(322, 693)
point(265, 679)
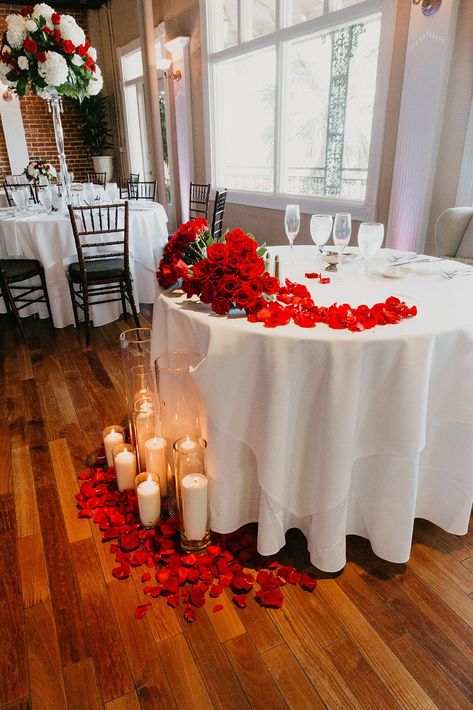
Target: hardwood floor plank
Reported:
point(46, 678)
point(441, 560)
point(324, 626)
point(257, 682)
point(430, 534)
point(468, 564)
point(25, 368)
point(161, 618)
point(150, 676)
point(259, 625)
point(424, 669)
point(34, 574)
point(73, 639)
point(83, 692)
point(386, 665)
point(6, 480)
point(13, 658)
point(295, 687)
point(226, 622)
point(126, 702)
point(7, 513)
point(112, 665)
point(61, 392)
point(219, 676)
point(360, 677)
point(183, 674)
point(67, 486)
point(25, 498)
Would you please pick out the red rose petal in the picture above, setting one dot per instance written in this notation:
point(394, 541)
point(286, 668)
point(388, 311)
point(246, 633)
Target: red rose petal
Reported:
point(271, 598)
point(217, 607)
point(141, 610)
point(215, 590)
point(84, 513)
point(145, 577)
point(189, 614)
point(84, 475)
point(121, 572)
point(307, 582)
point(239, 600)
point(173, 600)
point(312, 275)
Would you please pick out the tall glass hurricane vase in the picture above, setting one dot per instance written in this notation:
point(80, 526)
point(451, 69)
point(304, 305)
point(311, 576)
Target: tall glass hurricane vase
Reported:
point(135, 345)
point(55, 107)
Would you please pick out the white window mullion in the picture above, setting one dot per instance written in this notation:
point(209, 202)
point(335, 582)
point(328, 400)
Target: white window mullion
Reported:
point(279, 128)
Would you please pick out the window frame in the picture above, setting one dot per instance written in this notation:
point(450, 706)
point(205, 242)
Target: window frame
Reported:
point(364, 210)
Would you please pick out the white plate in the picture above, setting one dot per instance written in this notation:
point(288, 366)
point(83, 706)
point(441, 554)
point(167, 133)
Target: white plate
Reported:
point(395, 272)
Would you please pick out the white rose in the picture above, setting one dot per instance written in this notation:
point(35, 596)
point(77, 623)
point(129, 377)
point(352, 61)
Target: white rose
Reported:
point(70, 30)
point(16, 31)
point(43, 10)
point(92, 52)
point(96, 83)
point(77, 60)
point(54, 70)
point(23, 62)
point(31, 25)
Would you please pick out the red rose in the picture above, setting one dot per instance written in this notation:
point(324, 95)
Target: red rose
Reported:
point(270, 284)
point(29, 45)
point(89, 63)
point(191, 229)
point(256, 286)
point(81, 50)
point(26, 11)
point(94, 68)
point(221, 306)
point(87, 43)
point(250, 269)
point(46, 30)
point(192, 287)
point(56, 18)
point(56, 35)
point(245, 296)
point(40, 57)
point(228, 284)
point(208, 292)
point(68, 47)
point(217, 252)
point(201, 270)
point(6, 58)
point(233, 262)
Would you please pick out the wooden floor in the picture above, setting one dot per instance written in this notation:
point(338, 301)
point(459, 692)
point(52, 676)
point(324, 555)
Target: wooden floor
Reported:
point(378, 635)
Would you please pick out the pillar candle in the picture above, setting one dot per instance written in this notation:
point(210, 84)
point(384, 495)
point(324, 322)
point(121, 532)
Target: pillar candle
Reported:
point(144, 423)
point(194, 505)
point(110, 440)
point(125, 467)
point(149, 501)
point(156, 461)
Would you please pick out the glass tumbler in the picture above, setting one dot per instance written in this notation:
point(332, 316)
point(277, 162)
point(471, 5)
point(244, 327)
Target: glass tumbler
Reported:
point(192, 492)
point(135, 345)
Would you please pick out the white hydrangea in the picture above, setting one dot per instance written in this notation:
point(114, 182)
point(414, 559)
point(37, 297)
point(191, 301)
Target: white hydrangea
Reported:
point(77, 60)
point(16, 31)
point(54, 70)
point(92, 52)
point(22, 62)
point(43, 10)
point(31, 25)
point(96, 83)
point(70, 30)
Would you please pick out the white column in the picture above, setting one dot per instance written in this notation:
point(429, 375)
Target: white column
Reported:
point(179, 49)
point(465, 181)
point(428, 60)
point(146, 22)
point(14, 132)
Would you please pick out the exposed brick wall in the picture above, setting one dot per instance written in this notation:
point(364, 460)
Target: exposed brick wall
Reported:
point(38, 123)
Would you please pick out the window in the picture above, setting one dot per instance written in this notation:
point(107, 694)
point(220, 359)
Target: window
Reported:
point(292, 98)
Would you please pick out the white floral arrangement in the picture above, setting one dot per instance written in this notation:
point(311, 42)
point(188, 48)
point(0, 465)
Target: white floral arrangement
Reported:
point(40, 168)
point(47, 53)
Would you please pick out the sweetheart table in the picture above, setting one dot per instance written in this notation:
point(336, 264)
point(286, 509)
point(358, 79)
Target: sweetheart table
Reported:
point(334, 432)
point(48, 237)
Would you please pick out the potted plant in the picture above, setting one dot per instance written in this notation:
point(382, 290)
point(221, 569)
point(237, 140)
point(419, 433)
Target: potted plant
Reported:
point(93, 112)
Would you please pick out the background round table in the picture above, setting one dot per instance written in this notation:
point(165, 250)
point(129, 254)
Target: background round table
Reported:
point(335, 432)
point(49, 238)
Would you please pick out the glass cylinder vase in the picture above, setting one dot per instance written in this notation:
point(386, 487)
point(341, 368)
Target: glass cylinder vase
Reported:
point(144, 425)
point(149, 498)
point(55, 108)
point(192, 492)
point(135, 345)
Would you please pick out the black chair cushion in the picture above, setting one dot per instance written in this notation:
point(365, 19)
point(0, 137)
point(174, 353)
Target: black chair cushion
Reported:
point(99, 270)
point(18, 269)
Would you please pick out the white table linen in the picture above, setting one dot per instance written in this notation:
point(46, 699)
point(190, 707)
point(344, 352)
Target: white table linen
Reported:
point(49, 238)
point(335, 432)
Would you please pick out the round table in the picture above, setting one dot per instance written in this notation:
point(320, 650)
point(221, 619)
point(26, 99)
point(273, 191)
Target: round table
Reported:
point(49, 238)
point(335, 432)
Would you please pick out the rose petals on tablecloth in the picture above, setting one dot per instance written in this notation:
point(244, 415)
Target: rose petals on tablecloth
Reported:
point(230, 562)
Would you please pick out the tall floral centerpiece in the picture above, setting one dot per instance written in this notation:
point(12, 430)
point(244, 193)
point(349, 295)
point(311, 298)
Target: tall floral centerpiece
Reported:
point(46, 53)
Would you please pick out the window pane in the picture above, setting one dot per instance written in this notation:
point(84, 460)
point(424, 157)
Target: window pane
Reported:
point(132, 65)
point(342, 4)
point(244, 121)
point(302, 10)
point(223, 24)
point(133, 126)
point(331, 81)
point(262, 18)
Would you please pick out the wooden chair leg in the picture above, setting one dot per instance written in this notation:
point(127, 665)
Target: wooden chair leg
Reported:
point(74, 306)
point(122, 294)
point(131, 300)
point(46, 295)
point(15, 311)
point(85, 294)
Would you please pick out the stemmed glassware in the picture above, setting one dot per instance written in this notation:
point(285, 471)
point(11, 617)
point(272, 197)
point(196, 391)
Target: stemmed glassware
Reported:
point(320, 230)
point(341, 234)
point(20, 198)
point(292, 223)
point(46, 198)
point(370, 238)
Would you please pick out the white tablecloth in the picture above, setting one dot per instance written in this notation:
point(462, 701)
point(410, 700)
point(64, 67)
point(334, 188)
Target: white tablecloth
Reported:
point(334, 432)
point(49, 238)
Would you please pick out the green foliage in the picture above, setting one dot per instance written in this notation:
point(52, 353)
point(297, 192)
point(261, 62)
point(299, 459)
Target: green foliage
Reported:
point(93, 112)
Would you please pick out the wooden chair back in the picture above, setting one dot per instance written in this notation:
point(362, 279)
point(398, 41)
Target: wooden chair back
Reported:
point(98, 228)
point(10, 188)
point(199, 195)
point(142, 190)
point(97, 178)
point(16, 180)
point(134, 177)
point(219, 209)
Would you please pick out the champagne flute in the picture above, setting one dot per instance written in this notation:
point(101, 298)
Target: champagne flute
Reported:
point(20, 198)
point(370, 238)
point(292, 223)
point(46, 198)
point(320, 231)
point(341, 234)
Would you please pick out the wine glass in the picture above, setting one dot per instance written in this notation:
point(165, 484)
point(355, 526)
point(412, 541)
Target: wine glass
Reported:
point(89, 193)
point(46, 198)
point(112, 191)
point(370, 238)
point(341, 234)
point(320, 230)
point(20, 198)
point(292, 223)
